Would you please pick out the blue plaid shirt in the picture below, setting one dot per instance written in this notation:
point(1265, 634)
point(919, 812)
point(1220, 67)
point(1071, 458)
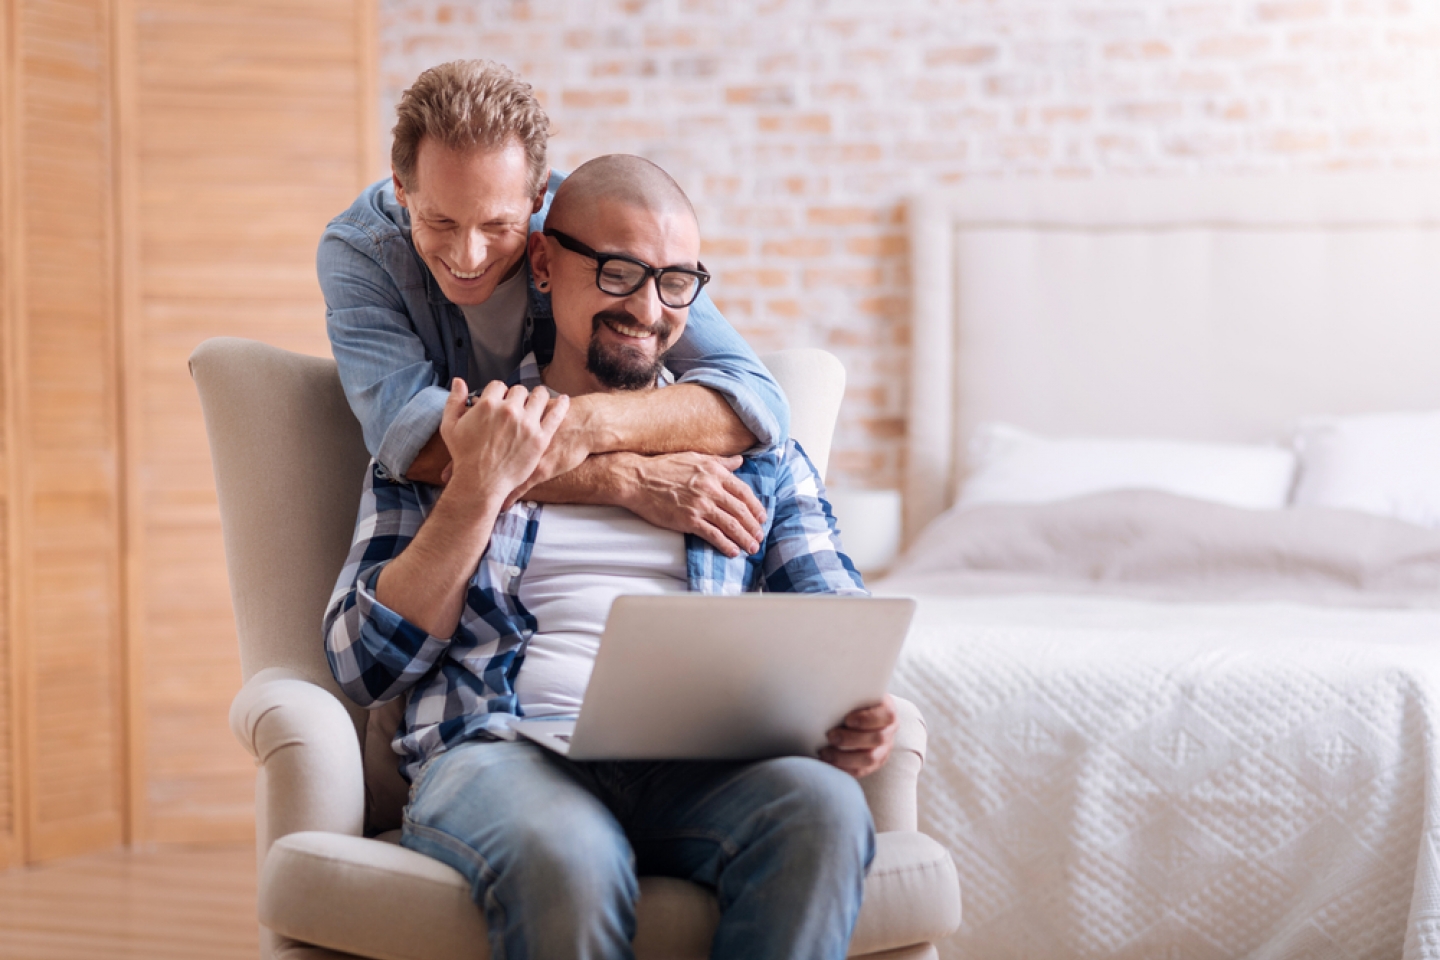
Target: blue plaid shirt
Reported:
point(462, 687)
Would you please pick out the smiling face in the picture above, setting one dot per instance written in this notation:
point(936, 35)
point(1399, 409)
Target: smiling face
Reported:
point(469, 216)
point(604, 342)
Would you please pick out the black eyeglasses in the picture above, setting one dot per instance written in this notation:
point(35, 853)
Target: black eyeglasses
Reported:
point(620, 276)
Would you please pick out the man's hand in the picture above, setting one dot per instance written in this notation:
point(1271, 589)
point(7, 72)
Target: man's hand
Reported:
point(862, 742)
point(571, 445)
point(699, 494)
point(497, 442)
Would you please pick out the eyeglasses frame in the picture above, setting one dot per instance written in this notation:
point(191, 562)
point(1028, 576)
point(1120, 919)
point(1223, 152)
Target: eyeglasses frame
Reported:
point(651, 273)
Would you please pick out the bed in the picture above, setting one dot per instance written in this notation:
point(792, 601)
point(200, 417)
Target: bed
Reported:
point(1194, 717)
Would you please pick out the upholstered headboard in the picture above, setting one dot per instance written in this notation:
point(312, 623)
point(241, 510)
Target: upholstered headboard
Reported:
point(1204, 308)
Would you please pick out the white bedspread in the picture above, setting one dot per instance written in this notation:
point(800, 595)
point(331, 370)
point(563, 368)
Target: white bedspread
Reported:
point(1131, 779)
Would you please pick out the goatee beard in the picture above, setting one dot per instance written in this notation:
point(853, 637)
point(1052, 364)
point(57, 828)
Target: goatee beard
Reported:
point(622, 367)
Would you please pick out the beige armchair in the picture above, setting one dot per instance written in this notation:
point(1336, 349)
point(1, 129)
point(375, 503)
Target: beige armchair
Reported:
point(334, 883)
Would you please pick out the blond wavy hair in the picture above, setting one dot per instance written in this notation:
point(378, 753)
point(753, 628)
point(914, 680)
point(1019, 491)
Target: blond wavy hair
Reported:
point(466, 104)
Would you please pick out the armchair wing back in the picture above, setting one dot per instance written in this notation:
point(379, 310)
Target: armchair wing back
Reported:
point(289, 460)
point(814, 383)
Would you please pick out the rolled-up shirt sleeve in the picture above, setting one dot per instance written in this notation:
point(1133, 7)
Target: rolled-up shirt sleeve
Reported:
point(391, 383)
point(374, 653)
point(711, 354)
point(411, 428)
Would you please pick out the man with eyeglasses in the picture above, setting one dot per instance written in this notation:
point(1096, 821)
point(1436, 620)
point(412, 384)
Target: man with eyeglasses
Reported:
point(478, 607)
point(425, 279)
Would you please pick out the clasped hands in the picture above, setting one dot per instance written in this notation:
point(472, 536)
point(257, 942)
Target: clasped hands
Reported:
point(685, 492)
point(497, 436)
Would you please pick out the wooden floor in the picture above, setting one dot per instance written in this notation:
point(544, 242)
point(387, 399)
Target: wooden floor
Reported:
point(186, 903)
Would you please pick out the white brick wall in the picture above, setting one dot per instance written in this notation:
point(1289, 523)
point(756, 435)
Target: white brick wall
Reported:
point(798, 126)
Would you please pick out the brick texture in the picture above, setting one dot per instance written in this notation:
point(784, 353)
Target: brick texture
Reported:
point(799, 126)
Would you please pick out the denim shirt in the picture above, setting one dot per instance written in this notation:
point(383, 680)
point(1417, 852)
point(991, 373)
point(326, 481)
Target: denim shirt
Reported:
point(398, 340)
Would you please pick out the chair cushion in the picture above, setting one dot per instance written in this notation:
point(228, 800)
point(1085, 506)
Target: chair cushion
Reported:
point(377, 899)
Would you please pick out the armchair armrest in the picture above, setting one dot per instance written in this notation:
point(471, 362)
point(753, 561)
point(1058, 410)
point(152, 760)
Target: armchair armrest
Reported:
point(311, 776)
point(890, 790)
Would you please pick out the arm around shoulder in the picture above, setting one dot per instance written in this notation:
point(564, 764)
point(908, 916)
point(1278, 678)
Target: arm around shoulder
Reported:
point(725, 403)
point(711, 354)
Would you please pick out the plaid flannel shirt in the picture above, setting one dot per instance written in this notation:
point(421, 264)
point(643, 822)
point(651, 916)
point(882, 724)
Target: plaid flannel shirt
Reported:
point(463, 686)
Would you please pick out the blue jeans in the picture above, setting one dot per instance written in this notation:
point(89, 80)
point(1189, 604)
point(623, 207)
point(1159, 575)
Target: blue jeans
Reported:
point(552, 848)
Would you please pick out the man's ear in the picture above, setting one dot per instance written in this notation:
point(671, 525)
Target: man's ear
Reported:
point(399, 189)
point(539, 259)
point(540, 197)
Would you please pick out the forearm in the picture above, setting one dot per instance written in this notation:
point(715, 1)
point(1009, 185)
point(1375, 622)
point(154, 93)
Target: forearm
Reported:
point(679, 418)
point(685, 492)
point(609, 479)
point(426, 583)
point(430, 463)
point(711, 354)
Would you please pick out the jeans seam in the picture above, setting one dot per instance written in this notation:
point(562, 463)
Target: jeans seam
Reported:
point(440, 838)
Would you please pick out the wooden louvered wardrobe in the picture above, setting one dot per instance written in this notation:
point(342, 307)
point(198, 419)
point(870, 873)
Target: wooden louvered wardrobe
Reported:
point(166, 168)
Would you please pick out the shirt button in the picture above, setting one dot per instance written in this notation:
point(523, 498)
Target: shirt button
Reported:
point(513, 571)
point(459, 342)
point(531, 504)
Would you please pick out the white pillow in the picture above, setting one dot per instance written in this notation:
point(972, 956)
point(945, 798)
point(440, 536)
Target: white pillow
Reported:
point(1383, 463)
point(1009, 465)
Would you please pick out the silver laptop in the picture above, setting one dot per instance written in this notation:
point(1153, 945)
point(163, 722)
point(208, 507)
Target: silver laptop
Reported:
point(695, 677)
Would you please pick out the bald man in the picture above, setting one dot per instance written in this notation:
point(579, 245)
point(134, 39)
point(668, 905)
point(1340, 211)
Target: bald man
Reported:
point(478, 610)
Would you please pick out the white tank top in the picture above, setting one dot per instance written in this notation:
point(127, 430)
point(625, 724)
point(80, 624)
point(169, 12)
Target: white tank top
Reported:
point(583, 558)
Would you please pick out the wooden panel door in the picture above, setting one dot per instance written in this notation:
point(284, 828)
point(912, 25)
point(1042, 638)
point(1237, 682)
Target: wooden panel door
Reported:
point(66, 448)
point(252, 130)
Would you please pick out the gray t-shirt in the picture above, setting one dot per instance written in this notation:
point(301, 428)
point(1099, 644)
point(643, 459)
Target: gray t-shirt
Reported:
point(497, 331)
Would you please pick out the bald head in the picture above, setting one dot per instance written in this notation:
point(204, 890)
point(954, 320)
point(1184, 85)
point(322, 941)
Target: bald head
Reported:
point(617, 178)
point(620, 247)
